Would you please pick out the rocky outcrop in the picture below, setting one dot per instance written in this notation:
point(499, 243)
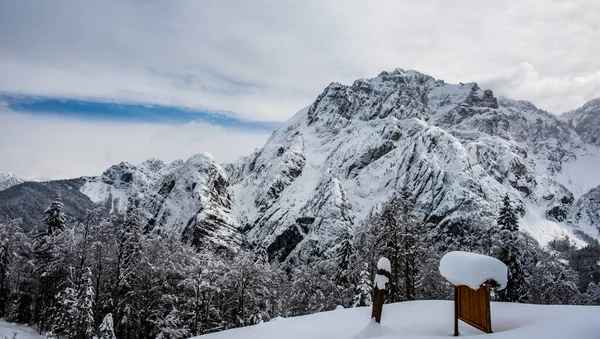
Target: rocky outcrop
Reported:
point(586, 121)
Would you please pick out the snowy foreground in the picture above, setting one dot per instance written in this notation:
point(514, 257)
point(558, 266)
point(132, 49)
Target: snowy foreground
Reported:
point(429, 319)
point(8, 330)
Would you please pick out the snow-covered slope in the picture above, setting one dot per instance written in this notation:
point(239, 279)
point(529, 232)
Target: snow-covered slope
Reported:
point(18, 331)
point(457, 148)
point(8, 180)
point(428, 319)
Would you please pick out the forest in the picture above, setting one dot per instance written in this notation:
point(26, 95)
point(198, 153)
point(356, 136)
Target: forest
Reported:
point(104, 276)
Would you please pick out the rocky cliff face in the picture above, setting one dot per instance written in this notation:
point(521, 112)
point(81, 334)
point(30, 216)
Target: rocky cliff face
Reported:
point(586, 121)
point(189, 200)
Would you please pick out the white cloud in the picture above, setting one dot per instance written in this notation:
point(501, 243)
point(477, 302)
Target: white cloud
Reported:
point(555, 93)
point(34, 146)
point(264, 60)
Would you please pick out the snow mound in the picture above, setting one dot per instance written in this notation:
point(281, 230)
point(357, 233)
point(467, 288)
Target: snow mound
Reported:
point(464, 268)
point(374, 330)
point(384, 264)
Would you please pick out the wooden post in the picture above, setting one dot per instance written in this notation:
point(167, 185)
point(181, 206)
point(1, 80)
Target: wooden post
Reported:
point(456, 298)
point(379, 295)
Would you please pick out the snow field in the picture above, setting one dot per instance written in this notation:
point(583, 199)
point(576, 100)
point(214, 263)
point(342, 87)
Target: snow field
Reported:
point(428, 319)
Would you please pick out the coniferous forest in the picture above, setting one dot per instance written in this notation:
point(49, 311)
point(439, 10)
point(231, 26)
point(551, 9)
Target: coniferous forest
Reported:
point(105, 277)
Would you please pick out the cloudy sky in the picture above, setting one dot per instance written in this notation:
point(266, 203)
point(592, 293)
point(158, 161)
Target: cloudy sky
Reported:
point(85, 84)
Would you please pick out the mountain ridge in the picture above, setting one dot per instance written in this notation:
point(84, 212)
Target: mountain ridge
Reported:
point(455, 147)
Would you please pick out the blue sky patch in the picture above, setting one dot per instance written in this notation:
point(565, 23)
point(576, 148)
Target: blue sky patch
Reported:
point(110, 111)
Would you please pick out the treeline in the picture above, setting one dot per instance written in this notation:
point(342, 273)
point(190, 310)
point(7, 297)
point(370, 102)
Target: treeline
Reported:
point(104, 277)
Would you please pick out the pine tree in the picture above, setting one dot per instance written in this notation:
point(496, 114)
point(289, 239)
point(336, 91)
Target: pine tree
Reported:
point(402, 238)
point(54, 217)
point(170, 326)
point(507, 219)
point(261, 256)
point(106, 329)
point(45, 257)
point(64, 312)
point(128, 257)
point(346, 251)
point(364, 288)
point(84, 307)
point(511, 253)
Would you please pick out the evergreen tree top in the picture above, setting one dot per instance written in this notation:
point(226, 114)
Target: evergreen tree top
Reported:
point(54, 217)
point(507, 219)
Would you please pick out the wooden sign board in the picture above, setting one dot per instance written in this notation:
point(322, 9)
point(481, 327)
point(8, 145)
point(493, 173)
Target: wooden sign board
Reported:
point(473, 307)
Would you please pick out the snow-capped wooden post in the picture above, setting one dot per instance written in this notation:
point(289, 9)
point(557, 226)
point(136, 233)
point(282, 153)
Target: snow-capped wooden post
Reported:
point(382, 280)
point(473, 275)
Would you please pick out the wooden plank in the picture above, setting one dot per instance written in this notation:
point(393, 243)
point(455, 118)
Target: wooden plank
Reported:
point(473, 307)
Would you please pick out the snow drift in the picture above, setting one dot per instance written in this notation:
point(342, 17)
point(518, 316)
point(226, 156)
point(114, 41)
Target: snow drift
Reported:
point(428, 319)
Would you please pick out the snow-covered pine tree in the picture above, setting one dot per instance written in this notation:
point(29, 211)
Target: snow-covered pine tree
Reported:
point(171, 326)
point(54, 217)
point(345, 251)
point(403, 239)
point(128, 257)
point(507, 219)
point(45, 255)
point(344, 275)
point(64, 312)
point(84, 307)
point(106, 329)
point(261, 256)
point(511, 253)
point(364, 288)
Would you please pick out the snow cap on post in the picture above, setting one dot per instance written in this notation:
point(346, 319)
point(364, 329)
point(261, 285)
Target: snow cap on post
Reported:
point(384, 264)
point(473, 270)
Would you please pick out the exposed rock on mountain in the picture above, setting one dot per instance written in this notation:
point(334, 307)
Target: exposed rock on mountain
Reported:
point(187, 199)
point(586, 121)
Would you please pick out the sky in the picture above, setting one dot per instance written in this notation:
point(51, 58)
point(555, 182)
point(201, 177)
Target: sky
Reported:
point(220, 76)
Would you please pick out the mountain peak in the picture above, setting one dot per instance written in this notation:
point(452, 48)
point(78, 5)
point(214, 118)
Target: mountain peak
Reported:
point(586, 121)
point(8, 179)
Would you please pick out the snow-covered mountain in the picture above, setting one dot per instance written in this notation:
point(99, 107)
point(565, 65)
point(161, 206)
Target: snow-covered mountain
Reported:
point(189, 199)
point(457, 148)
point(586, 121)
point(8, 180)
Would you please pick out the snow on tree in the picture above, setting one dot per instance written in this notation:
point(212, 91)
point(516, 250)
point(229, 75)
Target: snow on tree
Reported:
point(512, 254)
point(54, 217)
point(106, 329)
point(171, 326)
point(129, 248)
point(364, 288)
point(84, 311)
point(508, 217)
point(345, 251)
point(64, 312)
point(403, 239)
point(260, 255)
